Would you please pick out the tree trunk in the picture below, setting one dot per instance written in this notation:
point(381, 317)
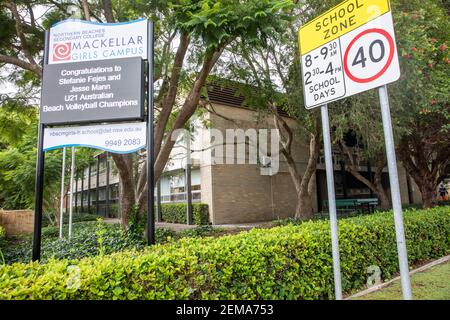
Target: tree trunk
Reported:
point(425, 154)
point(107, 10)
point(303, 183)
point(427, 198)
point(127, 197)
point(428, 191)
point(305, 207)
point(383, 197)
point(380, 163)
point(187, 110)
point(85, 6)
point(425, 177)
point(376, 186)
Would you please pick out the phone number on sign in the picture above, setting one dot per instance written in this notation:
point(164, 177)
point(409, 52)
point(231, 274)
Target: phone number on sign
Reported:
point(123, 142)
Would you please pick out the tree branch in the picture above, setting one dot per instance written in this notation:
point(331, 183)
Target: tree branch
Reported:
point(22, 64)
point(169, 99)
point(189, 107)
point(19, 30)
point(85, 6)
point(108, 11)
point(213, 111)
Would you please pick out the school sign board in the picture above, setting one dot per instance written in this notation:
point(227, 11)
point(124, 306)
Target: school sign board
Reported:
point(93, 82)
point(347, 50)
point(78, 40)
point(93, 91)
point(116, 137)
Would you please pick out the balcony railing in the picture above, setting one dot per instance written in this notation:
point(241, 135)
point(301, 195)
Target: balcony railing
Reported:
point(181, 197)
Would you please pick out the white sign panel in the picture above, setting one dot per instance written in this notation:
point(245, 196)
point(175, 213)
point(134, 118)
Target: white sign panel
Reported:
point(115, 138)
point(77, 40)
point(359, 60)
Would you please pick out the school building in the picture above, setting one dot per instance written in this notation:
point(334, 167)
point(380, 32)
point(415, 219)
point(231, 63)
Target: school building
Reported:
point(234, 193)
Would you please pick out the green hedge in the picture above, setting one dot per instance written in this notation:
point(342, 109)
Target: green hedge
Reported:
point(285, 262)
point(176, 213)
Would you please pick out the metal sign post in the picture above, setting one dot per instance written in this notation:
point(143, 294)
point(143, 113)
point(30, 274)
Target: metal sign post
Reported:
point(39, 176)
point(61, 207)
point(39, 195)
point(188, 181)
point(150, 160)
point(395, 193)
point(72, 169)
point(331, 202)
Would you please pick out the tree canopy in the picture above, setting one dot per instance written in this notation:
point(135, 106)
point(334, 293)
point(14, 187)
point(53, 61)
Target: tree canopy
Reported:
point(256, 42)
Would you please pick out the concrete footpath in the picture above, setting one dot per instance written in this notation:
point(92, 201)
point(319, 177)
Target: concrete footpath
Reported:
point(385, 284)
point(159, 225)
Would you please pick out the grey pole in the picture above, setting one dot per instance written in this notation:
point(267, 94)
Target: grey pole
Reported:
point(61, 207)
point(89, 188)
point(158, 202)
point(107, 187)
point(395, 193)
point(331, 202)
point(72, 168)
point(188, 187)
point(82, 191)
point(97, 190)
point(76, 191)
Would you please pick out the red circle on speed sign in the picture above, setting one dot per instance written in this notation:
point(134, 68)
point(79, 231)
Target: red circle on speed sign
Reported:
point(388, 37)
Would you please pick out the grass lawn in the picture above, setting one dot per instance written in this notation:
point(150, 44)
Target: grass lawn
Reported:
point(431, 284)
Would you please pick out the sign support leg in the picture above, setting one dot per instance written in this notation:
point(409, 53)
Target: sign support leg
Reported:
point(39, 190)
point(39, 196)
point(158, 202)
point(150, 160)
point(72, 169)
point(97, 188)
point(395, 193)
point(107, 187)
point(61, 207)
point(188, 182)
point(331, 202)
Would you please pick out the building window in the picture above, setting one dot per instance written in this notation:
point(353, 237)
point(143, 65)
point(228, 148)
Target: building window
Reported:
point(114, 191)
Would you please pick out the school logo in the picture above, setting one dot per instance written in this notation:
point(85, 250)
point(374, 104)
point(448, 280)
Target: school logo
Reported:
point(62, 51)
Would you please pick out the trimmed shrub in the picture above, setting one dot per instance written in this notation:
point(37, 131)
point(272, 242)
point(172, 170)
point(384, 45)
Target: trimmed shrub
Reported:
point(176, 213)
point(285, 262)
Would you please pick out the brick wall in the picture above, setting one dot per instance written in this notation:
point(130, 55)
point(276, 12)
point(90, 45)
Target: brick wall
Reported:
point(17, 221)
point(238, 193)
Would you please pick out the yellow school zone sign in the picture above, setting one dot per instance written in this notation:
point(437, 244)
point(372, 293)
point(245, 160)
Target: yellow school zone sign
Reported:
point(337, 21)
point(347, 50)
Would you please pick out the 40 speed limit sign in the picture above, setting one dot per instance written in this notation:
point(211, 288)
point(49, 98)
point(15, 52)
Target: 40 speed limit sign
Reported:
point(347, 50)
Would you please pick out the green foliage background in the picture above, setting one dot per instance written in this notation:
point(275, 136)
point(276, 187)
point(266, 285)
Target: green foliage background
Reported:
point(18, 150)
